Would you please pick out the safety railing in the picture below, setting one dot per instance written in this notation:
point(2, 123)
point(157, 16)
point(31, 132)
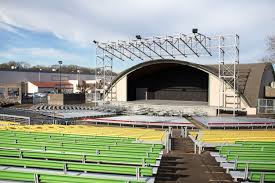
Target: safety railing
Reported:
point(13, 118)
point(266, 106)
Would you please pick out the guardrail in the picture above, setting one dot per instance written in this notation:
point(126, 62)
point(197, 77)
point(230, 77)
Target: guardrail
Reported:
point(13, 118)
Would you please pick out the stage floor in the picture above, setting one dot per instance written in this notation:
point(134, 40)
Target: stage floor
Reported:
point(169, 102)
point(223, 122)
point(143, 120)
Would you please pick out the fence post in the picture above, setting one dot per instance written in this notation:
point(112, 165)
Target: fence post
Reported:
point(262, 178)
point(181, 132)
point(200, 147)
point(84, 159)
point(170, 144)
point(266, 106)
point(65, 168)
point(195, 147)
point(185, 132)
point(167, 141)
point(246, 172)
point(137, 173)
point(36, 178)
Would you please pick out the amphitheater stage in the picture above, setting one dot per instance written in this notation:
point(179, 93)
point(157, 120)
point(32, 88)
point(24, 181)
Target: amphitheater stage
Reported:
point(142, 120)
point(235, 122)
point(75, 114)
point(171, 107)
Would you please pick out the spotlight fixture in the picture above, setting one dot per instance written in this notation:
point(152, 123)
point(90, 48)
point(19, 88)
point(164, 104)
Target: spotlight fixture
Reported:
point(138, 36)
point(195, 31)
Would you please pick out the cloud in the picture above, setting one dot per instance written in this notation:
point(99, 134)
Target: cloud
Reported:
point(9, 28)
point(50, 55)
point(82, 21)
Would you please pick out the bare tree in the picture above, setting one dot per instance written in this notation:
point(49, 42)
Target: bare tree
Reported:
point(270, 49)
point(84, 87)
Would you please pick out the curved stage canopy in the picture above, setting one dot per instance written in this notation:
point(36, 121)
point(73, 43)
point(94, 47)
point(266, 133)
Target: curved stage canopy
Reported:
point(177, 80)
point(168, 81)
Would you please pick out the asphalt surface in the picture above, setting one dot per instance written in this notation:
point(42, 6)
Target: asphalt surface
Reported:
point(36, 117)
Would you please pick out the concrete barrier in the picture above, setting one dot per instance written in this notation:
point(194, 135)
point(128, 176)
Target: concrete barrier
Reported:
point(62, 99)
point(55, 99)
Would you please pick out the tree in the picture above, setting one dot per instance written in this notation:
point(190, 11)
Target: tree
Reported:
point(271, 47)
point(84, 87)
point(270, 50)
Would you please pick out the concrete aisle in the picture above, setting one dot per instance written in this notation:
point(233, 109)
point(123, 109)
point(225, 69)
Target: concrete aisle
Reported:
point(181, 165)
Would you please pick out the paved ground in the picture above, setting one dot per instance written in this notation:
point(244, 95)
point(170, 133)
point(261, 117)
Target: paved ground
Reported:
point(169, 102)
point(36, 118)
point(181, 165)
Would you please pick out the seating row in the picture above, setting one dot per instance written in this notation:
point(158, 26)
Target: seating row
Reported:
point(73, 166)
point(54, 178)
point(248, 160)
point(78, 154)
point(132, 160)
point(136, 133)
point(231, 136)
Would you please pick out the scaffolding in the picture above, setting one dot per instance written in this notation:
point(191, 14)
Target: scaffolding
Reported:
point(179, 46)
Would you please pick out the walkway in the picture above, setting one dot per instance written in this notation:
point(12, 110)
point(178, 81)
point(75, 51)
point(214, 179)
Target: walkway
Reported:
point(181, 165)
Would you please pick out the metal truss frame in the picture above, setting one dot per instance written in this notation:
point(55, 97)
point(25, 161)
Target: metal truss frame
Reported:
point(172, 47)
point(103, 73)
point(228, 53)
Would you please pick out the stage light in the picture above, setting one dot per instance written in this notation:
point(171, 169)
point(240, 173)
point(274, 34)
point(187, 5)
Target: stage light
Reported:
point(194, 31)
point(138, 36)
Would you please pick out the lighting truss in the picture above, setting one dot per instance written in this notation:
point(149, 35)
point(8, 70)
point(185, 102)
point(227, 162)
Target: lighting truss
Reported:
point(226, 47)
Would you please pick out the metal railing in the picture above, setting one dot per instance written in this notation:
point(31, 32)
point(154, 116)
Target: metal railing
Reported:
point(13, 118)
point(266, 106)
point(40, 100)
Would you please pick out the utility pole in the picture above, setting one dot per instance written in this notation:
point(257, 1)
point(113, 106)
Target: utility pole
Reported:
point(60, 63)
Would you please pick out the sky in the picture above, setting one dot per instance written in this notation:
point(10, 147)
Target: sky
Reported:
point(42, 32)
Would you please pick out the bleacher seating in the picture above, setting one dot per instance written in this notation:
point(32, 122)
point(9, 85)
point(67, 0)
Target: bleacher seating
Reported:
point(75, 153)
point(6, 123)
point(231, 136)
point(252, 161)
point(149, 135)
point(54, 178)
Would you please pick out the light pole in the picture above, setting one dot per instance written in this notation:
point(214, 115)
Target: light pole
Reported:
point(78, 72)
point(39, 74)
point(60, 63)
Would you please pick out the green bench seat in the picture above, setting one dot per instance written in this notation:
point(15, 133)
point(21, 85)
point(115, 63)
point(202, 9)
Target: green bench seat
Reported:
point(251, 157)
point(85, 150)
point(227, 150)
point(53, 178)
point(154, 147)
point(57, 135)
point(265, 176)
point(256, 142)
point(89, 167)
point(76, 157)
point(259, 166)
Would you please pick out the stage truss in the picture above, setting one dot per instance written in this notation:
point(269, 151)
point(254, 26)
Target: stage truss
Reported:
point(224, 47)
